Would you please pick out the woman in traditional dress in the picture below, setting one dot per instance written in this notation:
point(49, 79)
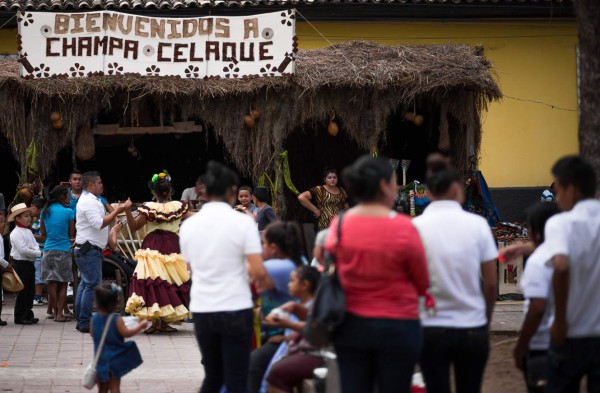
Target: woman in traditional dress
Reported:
point(325, 201)
point(160, 286)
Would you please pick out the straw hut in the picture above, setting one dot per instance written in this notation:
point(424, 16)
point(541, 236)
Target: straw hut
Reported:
point(361, 83)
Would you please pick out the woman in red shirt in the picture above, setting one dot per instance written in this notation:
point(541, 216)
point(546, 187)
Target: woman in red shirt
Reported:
point(382, 267)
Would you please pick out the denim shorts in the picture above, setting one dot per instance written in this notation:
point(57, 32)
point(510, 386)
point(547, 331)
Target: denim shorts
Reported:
point(38, 271)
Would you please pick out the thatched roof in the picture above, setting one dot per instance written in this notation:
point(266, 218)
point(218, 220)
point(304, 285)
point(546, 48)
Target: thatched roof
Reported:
point(361, 82)
point(16, 5)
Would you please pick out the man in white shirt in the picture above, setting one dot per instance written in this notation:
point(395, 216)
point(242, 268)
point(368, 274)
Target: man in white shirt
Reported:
point(92, 224)
point(222, 247)
point(197, 194)
point(573, 239)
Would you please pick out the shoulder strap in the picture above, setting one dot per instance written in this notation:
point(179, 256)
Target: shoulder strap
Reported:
point(330, 261)
point(338, 236)
point(103, 338)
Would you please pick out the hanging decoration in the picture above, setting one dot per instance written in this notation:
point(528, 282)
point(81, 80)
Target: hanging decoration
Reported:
point(135, 153)
point(404, 164)
point(57, 121)
point(332, 127)
point(418, 120)
point(421, 196)
point(287, 176)
point(249, 122)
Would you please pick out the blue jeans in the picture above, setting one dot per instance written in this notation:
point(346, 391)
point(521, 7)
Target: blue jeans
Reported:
point(377, 352)
point(465, 349)
point(570, 362)
point(90, 271)
point(224, 338)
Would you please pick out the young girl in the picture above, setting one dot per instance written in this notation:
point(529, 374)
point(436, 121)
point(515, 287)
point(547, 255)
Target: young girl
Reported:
point(246, 198)
point(24, 251)
point(282, 252)
point(265, 213)
point(294, 362)
point(118, 356)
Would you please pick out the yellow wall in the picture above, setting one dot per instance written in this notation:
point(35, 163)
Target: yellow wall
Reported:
point(532, 61)
point(8, 41)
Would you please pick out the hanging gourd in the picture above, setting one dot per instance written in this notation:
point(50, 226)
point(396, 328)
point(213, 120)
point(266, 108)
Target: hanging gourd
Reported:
point(249, 121)
point(57, 121)
point(332, 127)
point(409, 116)
point(58, 124)
point(255, 114)
point(418, 120)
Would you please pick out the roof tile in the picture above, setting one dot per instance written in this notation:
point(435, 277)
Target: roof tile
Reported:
point(44, 5)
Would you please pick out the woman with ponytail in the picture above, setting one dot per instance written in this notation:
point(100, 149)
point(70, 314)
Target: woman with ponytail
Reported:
point(282, 251)
point(160, 286)
point(381, 265)
point(460, 251)
point(57, 225)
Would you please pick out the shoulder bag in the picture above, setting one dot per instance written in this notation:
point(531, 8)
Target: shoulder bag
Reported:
point(89, 376)
point(329, 305)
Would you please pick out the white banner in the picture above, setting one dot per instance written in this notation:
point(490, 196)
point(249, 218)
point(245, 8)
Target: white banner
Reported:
point(112, 43)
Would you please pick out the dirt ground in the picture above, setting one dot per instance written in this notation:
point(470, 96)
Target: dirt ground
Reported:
point(501, 375)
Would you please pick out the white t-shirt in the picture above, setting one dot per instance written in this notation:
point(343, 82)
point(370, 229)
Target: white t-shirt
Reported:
point(456, 244)
point(24, 247)
point(189, 194)
point(576, 234)
point(89, 217)
point(215, 243)
point(536, 283)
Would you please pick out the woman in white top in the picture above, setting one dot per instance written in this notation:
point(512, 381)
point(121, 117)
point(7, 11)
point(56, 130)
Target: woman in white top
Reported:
point(460, 248)
point(222, 248)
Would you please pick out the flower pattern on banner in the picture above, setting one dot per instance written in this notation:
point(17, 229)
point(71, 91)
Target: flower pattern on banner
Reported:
point(288, 17)
point(231, 70)
point(42, 71)
point(26, 18)
point(192, 72)
point(115, 69)
point(268, 70)
point(153, 71)
point(77, 70)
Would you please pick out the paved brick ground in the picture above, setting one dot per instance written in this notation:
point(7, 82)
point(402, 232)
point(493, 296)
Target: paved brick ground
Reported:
point(51, 356)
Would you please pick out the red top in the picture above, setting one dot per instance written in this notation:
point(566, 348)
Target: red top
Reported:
point(381, 264)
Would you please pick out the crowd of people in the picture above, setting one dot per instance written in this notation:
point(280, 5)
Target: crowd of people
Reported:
point(417, 290)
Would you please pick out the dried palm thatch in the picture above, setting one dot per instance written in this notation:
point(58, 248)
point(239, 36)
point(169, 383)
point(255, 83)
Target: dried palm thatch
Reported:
point(361, 82)
point(85, 147)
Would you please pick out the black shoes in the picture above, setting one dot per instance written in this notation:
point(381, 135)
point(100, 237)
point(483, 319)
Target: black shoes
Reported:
point(31, 321)
point(84, 330)
point(2, 323)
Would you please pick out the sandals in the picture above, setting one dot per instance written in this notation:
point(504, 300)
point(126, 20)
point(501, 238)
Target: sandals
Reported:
point(160, 329)
point(168, 329)
point(63, 319)
point(152, 329)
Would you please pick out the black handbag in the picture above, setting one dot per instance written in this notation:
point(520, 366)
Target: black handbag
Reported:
point(329, 305)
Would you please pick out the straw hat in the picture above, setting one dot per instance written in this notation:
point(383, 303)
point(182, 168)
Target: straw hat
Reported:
point(18, 209)
point(11, 281)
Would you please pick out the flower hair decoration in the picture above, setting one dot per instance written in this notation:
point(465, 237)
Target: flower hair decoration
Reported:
point(162, 175)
